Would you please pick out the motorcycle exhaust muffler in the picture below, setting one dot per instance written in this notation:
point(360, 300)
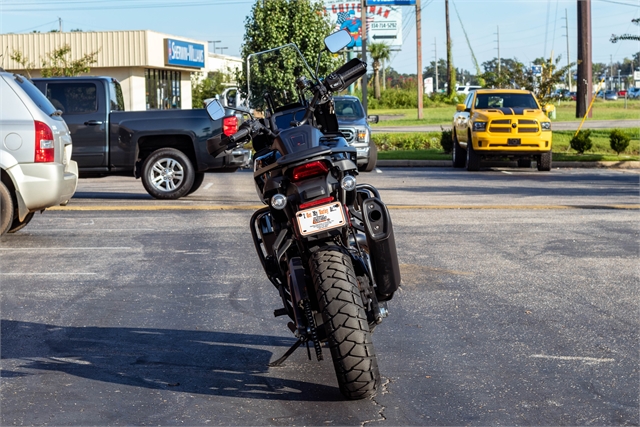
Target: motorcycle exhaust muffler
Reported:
point(382, 247)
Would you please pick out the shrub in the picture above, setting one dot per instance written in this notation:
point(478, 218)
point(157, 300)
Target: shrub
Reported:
point(618, 140)
point(446, 140)
point(406, 141)
point(582, 141)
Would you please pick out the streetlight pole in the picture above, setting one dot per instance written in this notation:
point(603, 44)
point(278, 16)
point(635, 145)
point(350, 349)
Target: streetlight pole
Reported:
point(214, 44)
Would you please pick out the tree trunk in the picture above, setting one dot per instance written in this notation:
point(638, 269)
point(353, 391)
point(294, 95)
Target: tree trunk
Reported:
point(376, 79)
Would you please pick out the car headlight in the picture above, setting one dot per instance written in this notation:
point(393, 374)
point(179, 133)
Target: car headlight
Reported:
point(363, 135)
point(479, 126)
point(545, 125)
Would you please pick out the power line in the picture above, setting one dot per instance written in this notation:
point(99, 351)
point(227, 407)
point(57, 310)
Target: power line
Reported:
point(84, 6)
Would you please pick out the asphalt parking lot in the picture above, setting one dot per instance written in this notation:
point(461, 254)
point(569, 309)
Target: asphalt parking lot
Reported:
point(518, 307)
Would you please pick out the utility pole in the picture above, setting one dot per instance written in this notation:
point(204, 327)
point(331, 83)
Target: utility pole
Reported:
point(59, 24)
point(363, 36)
point(419, 57)
point(498, 40)
point(435, 54)
point(450, 84)
point(584, 84)
point(566, 26)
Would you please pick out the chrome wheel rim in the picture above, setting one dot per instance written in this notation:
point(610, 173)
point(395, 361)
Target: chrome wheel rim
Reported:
point(166, 175)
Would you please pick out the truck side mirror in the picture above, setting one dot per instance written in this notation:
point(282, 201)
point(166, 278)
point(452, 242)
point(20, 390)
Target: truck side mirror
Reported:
point(373, 119)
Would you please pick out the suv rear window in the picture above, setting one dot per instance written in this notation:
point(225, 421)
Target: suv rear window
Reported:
point(38, 97)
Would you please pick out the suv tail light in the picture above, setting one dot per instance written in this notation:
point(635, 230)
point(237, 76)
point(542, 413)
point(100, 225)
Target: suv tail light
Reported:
point(230, 125)
point(309, 170)
point(45, 151)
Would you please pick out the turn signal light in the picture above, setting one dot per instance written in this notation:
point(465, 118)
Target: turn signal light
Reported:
point(45, 151)
point(309, 170)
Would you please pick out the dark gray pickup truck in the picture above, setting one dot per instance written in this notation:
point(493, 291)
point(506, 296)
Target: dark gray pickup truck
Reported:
point(167, 149)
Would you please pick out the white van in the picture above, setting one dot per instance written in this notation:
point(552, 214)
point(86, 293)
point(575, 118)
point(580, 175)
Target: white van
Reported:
point(466, 89)
point(36, 170)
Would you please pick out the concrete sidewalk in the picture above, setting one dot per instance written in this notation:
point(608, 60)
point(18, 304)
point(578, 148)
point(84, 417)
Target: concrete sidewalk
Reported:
point(447, 163)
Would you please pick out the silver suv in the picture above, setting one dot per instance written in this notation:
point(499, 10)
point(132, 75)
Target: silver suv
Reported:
point(36, 170)
point(354, 126)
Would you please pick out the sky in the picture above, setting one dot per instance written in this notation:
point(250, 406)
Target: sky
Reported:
point(528, 29)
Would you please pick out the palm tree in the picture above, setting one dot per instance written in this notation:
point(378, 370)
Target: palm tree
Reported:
point(379, 52)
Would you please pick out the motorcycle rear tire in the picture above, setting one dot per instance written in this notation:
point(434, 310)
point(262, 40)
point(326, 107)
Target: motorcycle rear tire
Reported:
point(345, 320)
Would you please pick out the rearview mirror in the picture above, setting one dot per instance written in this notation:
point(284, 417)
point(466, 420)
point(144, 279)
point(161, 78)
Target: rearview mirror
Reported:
point(337, 41)
point(460, 107)
point(215, 110)
point(373, 119)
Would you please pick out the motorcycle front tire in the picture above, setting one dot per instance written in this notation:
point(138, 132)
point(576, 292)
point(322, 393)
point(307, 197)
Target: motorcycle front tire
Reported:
point(345, 320)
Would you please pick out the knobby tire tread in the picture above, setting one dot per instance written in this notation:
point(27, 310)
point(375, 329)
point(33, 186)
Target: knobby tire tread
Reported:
point(345, 320)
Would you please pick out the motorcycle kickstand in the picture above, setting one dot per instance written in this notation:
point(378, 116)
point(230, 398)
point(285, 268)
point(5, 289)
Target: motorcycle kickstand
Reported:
point(289, 352)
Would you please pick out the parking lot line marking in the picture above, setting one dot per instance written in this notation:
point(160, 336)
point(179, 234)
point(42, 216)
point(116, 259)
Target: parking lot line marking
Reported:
point(208, 186)
point(48, 274)
point(572, 358)
point(102, 248)
point(399, 207)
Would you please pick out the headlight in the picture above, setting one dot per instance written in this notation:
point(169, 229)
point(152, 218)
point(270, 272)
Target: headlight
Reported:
point(545, 125)
point(479, 126)
point(363, 135)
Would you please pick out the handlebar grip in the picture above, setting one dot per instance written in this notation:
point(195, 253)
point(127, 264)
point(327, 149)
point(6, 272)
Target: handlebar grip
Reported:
point(358, 70)
point(241, 134)
point(345, 75)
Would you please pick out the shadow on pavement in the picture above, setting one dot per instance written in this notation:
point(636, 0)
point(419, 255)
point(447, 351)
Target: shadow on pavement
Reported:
point(210, 363)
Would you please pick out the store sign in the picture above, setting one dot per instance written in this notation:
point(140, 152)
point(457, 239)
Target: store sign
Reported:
point(384, 23)
point(391, 2)
point(182, 53)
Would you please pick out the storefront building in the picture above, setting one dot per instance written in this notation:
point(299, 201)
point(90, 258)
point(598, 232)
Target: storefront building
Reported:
point(154, 69)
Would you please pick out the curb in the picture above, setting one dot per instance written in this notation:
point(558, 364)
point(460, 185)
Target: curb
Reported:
point(447, 163)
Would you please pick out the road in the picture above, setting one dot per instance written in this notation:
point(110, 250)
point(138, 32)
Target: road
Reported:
point(589, 124)
point(518, 306)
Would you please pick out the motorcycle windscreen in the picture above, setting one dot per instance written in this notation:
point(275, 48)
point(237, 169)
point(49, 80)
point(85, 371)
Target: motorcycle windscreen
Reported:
point(283, 119)
point(300, 138)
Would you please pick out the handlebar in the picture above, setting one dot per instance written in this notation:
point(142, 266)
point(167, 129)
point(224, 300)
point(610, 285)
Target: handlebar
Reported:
point(345, 75)
point(241, 134)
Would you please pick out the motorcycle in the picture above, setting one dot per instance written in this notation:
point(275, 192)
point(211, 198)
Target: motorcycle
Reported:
point(325, 241)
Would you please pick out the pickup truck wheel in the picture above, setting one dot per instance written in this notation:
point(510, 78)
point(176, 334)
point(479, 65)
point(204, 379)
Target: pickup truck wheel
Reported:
point(198, 179)
point(373, 158)
point(167, 174)
point(457, 153)
point(473, 159)
point(19, 225)
point(6, 209)
point(544, 162)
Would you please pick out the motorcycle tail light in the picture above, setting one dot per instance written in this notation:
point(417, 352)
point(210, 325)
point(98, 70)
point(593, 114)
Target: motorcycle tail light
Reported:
point(309, 170)
point(230, 125)
point(316, 203)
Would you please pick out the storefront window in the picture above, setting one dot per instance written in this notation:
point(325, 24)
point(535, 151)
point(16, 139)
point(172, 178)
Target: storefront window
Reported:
point(163, 89)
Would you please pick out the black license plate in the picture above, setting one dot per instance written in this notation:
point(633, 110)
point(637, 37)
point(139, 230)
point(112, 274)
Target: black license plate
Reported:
point(513, 141)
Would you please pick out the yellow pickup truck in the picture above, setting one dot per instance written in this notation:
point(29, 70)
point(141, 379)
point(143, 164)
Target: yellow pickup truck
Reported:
point(501, 123)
